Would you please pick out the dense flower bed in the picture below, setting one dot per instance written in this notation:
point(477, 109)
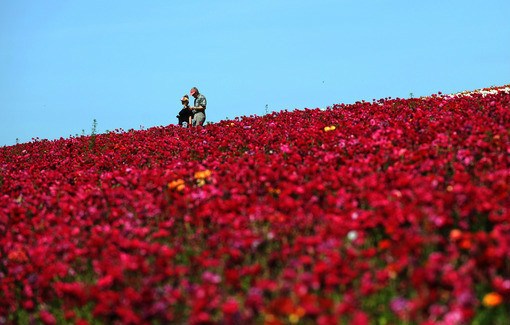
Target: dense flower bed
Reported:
point(382, 212)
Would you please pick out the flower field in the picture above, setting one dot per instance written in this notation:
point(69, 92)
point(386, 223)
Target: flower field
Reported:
point(395, 211)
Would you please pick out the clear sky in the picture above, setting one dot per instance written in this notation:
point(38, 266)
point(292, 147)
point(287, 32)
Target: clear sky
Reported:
point(127, 63)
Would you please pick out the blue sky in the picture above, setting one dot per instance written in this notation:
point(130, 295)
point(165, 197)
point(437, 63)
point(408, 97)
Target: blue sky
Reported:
point(127, 63)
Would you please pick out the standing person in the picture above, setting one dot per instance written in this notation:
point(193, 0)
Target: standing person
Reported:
point(186, 113)
point(198, 106)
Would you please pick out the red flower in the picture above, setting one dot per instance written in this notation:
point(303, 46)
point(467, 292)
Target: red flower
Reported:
point(47, 318)
point(230, 306)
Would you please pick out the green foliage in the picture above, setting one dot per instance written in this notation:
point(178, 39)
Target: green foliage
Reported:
point(93, 132)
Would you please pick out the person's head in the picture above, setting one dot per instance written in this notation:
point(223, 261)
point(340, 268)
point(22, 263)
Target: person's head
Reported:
point(185, 100)
point(194, 92)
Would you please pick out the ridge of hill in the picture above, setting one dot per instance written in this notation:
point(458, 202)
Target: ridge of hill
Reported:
point(486, 91)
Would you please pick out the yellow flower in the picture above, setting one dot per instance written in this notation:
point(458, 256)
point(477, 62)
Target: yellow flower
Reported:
point(293, 318)
point(297, 315)
point(329, 128)
point(492, 299)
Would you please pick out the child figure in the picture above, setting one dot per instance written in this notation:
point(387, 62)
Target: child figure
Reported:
point(186, 114)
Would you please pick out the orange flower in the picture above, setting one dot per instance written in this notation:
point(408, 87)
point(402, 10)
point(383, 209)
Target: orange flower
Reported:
point(203, 174)
point(18, 256)
point(270, 319)
point(177, 185)
point(492, 299)
point(455, 234)
point(274, 191)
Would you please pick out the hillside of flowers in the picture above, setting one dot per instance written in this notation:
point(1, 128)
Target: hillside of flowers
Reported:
point(395, 211)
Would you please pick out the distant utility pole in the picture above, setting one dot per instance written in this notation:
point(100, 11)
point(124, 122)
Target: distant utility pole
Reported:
point(267, 110)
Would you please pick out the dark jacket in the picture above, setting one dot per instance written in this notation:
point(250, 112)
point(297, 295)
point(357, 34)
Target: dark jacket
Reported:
point(184, 115)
